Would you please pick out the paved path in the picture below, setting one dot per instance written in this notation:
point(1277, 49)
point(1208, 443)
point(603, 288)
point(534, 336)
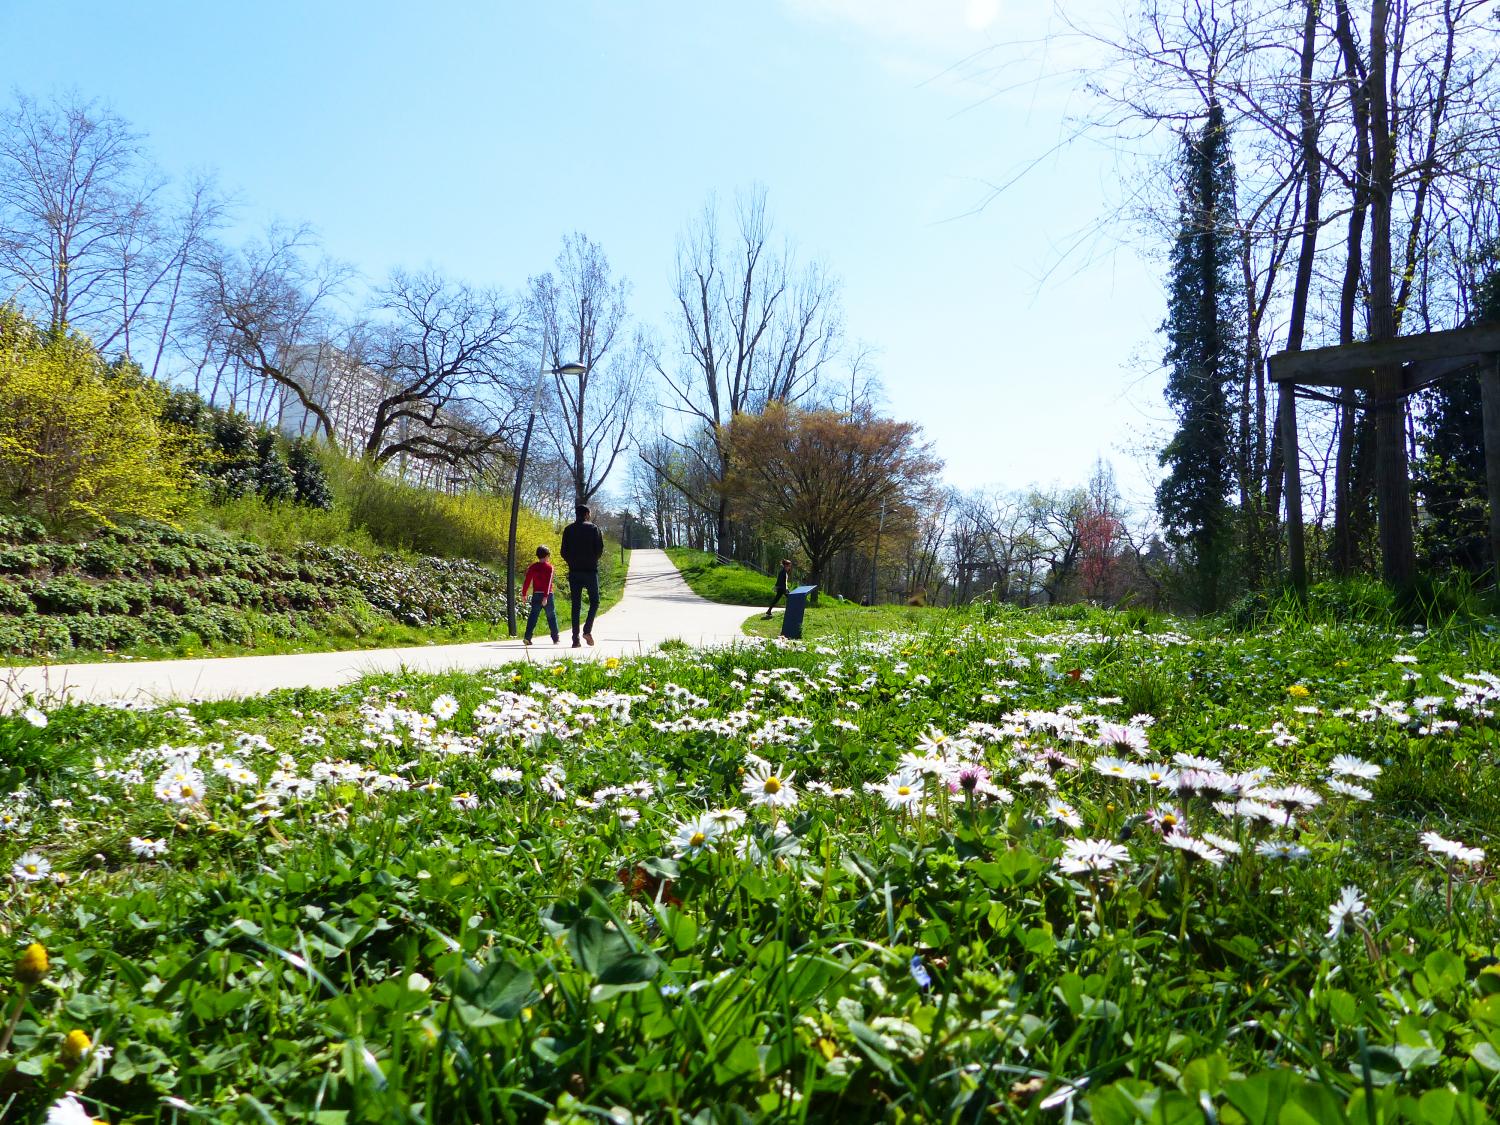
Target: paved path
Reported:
point(657, 605)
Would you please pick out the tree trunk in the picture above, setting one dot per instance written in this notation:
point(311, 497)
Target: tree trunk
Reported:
point(1392, 487)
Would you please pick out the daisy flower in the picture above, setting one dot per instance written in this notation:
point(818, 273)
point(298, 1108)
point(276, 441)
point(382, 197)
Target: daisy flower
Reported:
point(32, 867)
point(144, 847)
point(444, 707)
point(764, 785)
point(1452, 849)
point(692, 836)
point(1194, 847)
point(1080, 856)
point(1061, 810)
point(1348, 908)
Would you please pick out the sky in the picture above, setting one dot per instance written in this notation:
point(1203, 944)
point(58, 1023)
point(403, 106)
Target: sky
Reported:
point(1017, 327)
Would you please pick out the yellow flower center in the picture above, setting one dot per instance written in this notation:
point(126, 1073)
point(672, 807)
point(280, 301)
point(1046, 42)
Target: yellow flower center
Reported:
point(75, 1046)
point(903, 790)
point(697, 840)
point(772, 785)
point(1169, 820)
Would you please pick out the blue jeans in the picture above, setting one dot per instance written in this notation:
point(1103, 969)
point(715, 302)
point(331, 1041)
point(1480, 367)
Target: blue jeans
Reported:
point(538, 603)
point(578, 582)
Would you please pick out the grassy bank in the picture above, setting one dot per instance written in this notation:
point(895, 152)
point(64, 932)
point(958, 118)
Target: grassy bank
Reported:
point(727, 583)
point(151, 592)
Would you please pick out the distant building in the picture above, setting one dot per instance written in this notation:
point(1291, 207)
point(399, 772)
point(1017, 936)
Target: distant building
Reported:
point(350, 393)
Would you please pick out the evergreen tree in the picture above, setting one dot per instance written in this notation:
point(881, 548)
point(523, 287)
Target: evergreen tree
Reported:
point(308, 477)
point(1203, 347)
point(273, 480)
point(235, 457)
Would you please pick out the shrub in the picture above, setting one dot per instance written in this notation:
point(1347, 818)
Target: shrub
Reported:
point(21, 560)
point(403, 516)
point(308, 478)
point(13, 599)
point(65, 595)
point(273, 479)
point(21, 529)
point(81, 445)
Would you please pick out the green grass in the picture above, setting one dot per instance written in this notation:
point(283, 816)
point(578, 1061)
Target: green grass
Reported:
point(834, 619)
point(354, 918)
point(727, 583)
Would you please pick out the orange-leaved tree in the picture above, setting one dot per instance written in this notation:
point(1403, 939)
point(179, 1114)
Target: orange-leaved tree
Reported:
point(823, 477)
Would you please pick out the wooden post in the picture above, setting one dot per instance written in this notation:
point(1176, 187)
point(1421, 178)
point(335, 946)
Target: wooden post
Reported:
point(1489, 387)
point(1291, 461)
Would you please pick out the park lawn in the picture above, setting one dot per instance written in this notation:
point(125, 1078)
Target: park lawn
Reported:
point(837, 619)
point(1026, 866)
point(726, 583)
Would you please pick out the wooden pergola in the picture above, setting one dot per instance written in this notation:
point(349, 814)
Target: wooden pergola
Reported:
point(1389, 371)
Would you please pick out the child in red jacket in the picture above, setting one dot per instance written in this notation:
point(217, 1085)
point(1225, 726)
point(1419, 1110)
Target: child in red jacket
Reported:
point(539, 581)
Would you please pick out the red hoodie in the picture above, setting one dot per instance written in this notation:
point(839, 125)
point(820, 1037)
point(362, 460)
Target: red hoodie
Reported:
point(538, 578)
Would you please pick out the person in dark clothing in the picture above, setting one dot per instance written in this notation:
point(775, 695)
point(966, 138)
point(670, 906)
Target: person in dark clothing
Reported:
point(582, 548)
point(783, 580)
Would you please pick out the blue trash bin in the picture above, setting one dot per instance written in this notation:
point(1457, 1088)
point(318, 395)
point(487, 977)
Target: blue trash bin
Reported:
point(796, 606)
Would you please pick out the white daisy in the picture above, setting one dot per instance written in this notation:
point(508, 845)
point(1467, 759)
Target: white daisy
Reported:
point(31, 867)
point(1080, 856)
point(1349, 907)
point(765, 785)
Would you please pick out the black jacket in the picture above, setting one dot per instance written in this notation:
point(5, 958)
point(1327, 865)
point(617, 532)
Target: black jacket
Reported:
point(582, 546)
point(781, 580)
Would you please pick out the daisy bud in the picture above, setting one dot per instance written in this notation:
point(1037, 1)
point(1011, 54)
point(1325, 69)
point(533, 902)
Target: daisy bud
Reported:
point(33, 964)
point(75, 1047)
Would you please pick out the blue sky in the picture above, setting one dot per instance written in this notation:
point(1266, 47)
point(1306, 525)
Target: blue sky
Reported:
point(472, 136)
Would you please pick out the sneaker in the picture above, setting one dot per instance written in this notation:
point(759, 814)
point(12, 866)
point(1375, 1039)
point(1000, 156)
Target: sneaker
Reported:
point(577, 643)
point(556, 639)
point(525, 640)
point(589, 637)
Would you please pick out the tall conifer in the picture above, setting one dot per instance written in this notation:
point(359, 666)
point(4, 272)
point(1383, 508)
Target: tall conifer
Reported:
point(1203, 347)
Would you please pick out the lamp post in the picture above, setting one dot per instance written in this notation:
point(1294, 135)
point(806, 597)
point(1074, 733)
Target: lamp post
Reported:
point(515, 500)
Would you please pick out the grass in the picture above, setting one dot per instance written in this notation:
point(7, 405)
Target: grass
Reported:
point(941, 884)
point(835, 619)
point(726, 583)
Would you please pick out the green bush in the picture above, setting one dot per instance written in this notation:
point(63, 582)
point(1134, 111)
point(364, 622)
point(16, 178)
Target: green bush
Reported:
point(13, 598)
point(21, 560)
point(66, 594)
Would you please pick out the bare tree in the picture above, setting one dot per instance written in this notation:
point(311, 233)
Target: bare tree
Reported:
point(751, 329)
point(582, 316)
point(88, 235)
point(266, 309)
point(444, 356)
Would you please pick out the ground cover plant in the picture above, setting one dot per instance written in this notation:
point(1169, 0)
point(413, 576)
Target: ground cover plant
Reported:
point(154, 590)
point(1024, 866)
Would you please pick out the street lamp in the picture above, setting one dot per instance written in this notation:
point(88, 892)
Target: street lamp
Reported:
point(515, 500)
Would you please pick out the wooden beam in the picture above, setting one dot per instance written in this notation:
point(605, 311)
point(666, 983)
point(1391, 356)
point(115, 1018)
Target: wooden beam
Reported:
point(1291, 460)
point(1489, 386)
point(1320, 366)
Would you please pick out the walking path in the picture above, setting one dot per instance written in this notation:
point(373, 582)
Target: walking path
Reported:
point(657, 605)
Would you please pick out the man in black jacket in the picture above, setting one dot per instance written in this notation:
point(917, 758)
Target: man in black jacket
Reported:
point(582, 548)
